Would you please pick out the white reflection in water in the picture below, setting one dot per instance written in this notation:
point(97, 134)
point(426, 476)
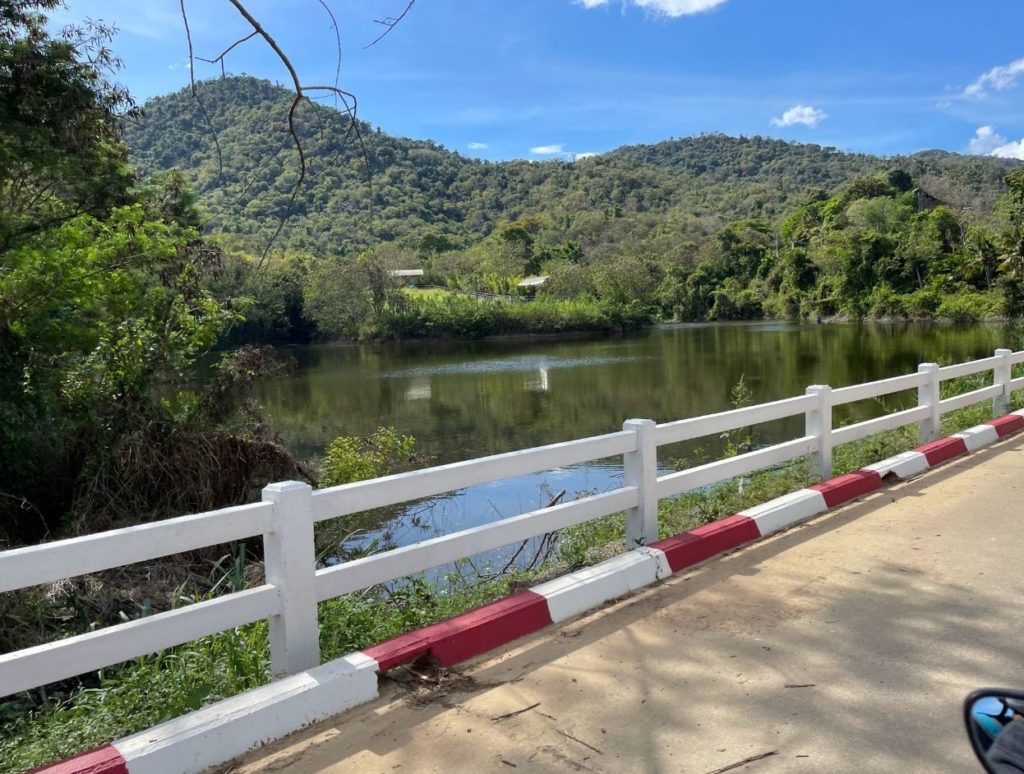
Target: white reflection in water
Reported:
point(509, 364)
point(537, 382)
point(418, 390)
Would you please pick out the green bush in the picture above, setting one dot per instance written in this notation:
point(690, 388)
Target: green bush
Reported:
point(883, 302)
point(969, 307)
point(466, 317)
point(350, 458)
point(923, 304)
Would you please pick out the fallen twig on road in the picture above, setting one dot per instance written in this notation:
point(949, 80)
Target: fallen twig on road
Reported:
point(507, 715)
point(567, 735)
point(744, 762)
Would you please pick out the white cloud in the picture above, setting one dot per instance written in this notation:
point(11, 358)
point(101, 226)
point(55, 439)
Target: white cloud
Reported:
point(677, 8)
point(998, 78)
point(671, 8)
point(985, 141)
point(988, 142)
point(801, 114)
point(585, 155)
point(478, 146)
point(547, 150)
point(1011, 150)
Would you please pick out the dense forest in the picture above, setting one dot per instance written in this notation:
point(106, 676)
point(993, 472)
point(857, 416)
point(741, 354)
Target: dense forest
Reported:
point(709, 227)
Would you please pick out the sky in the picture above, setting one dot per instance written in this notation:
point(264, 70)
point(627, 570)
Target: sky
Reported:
point(545, 79)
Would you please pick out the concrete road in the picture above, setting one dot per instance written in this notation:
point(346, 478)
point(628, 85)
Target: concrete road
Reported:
point(844, 645)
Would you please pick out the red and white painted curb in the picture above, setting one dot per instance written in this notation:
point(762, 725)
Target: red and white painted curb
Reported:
point(229, 728)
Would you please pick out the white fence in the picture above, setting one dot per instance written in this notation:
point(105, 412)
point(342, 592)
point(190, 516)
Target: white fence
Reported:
point(286, 517)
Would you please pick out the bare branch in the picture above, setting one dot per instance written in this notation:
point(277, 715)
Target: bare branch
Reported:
point(226, 51)
point(270, 42)
point(195, 92)
point(303, 93)
point(389, 23)
point(337, 43)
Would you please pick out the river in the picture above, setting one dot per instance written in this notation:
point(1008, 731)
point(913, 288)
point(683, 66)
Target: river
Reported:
point(467, 399)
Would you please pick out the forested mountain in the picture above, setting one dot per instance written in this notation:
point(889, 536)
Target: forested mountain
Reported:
point(655, 198)
point(709, 227)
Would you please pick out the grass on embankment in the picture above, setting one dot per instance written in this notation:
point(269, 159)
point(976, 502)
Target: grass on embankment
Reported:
point(136, 695)
point(450, 315)
point(414, 292)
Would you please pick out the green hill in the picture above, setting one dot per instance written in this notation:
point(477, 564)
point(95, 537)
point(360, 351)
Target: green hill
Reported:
point(683, 189)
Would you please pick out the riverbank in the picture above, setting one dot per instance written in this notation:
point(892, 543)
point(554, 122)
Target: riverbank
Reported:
point(470, 319)
point(460, 317)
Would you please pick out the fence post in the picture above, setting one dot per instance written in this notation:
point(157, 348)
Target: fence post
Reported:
point(640, 469)
point(1002, 375)
point(290, 561)
point(928, 395)
point(818, 423)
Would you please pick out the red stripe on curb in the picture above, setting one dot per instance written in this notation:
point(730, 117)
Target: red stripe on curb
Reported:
point(1007, 425)
point(942, 450)
point(695, 546)
point(469, 634)
point(843, 489)
point(104, 760)
point(403, 649)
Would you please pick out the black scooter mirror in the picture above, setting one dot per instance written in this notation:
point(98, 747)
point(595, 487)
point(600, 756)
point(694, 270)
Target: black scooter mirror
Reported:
point(995, 725)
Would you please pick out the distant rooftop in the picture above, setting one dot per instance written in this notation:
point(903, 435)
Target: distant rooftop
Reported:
point(533, 282)
point(406, 272)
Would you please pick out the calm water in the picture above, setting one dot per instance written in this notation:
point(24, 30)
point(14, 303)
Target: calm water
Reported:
point(467, 399)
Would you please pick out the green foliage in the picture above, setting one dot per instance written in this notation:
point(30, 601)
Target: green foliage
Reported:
point(579, 545)
point(457, 316)
point(60, 153)
point(350, 458)
point(664, 202)
point(710, 227)
point(351, 298)
point(969, 307)
point(107, 292)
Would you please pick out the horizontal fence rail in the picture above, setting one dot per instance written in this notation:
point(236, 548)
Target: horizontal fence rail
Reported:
point(21, 670)
point(877, 389)
point(61, 559)
point(714, 424)
point(868, 428)
point(371, 570)
point(390, 490)
point(723, 470)
point(285, 520)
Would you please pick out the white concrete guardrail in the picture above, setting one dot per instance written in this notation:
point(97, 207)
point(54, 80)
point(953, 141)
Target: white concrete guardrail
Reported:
point(286, 517)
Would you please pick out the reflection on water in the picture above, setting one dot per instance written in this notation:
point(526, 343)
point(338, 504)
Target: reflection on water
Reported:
point(468, 399)
point(497, 365)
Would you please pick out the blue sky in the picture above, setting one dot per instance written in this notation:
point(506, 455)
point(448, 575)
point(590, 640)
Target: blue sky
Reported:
point(503, 79)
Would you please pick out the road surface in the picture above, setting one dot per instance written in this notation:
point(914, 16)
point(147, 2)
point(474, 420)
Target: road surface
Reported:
point(843, 645)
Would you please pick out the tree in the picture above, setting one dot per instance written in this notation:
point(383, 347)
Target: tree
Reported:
point(60, 149)
point(1011, 264)
point(349, 298)
point(104, 293)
